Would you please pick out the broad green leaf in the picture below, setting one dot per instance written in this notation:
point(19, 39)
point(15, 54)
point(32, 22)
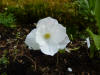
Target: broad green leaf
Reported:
point(92, 50)
point(97, 13)
point(91, 4)
point(96, 39)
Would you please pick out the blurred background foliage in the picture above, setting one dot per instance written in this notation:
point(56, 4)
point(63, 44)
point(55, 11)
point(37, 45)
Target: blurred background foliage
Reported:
point(7, 19)
point(73, 14)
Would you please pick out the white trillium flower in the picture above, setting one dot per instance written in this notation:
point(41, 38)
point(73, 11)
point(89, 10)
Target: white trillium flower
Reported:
point(50, 36)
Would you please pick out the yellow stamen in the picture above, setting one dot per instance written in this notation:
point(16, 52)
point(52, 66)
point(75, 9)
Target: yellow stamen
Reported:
point(47, 36)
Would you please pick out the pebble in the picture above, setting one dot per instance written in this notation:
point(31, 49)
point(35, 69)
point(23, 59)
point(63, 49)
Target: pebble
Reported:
point(69, 69)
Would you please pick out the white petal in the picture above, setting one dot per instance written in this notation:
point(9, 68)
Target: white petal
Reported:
point(88, 42)
point(64, 43)
point(40, 36)
point(47, 21)
point(31, 40)
point(49, 49)
point(58, 33)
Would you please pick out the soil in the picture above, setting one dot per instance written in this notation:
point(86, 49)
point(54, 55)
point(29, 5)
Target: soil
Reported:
point(23, 61)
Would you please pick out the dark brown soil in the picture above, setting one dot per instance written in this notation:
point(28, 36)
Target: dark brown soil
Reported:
point(23, 61)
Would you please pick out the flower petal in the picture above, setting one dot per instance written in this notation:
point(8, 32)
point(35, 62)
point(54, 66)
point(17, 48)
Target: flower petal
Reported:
point(64, 43)
point(31, 40)
point(47, 21)
point(49, 49)
point(58, 33)
point(88, 42)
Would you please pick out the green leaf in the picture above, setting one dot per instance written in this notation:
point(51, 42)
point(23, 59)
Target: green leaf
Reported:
point(4, 60)
point(92, 4)
point(97, 13)
point(96, 39)
point(92, 50)
point(62, 51)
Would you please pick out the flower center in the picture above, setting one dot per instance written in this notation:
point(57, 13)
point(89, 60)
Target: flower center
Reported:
point(47, 36)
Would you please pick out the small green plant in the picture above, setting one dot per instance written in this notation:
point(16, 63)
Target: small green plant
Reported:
point(4, 61)
point(94, 5)
point(7, 20)
point(86, 8)
point(90, 8)
point(4, 73)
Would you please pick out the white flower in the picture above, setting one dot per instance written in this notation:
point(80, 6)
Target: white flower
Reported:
point(88, 42)
point(49, 35)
